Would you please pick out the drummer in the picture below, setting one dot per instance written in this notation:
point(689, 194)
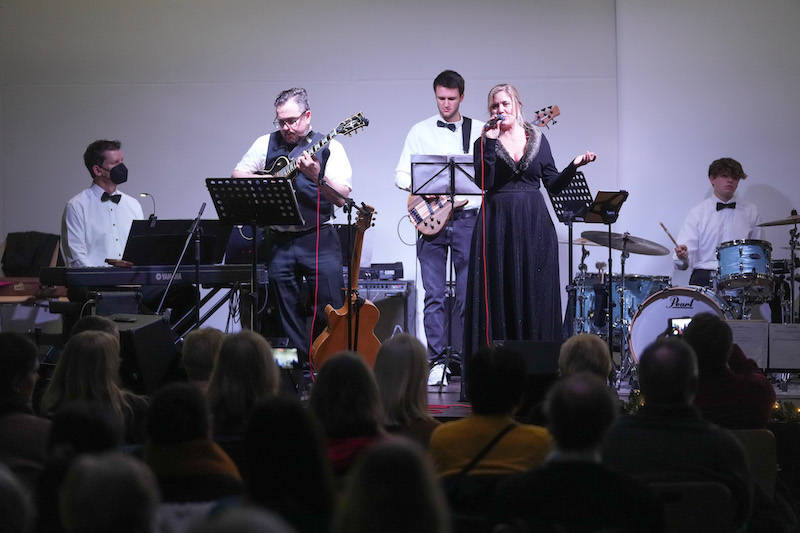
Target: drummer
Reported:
point(719, 218)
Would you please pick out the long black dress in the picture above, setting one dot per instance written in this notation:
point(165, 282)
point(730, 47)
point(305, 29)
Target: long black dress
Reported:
point(521, 247)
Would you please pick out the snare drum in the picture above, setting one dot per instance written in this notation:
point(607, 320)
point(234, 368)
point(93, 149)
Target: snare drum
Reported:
point(745, 264)
point(652, 319)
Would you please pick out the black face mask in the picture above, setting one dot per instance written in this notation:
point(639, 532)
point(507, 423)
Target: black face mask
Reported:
point(119, 174)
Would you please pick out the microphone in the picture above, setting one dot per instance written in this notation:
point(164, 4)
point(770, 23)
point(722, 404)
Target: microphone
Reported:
point(490, 124)
point(153, 216)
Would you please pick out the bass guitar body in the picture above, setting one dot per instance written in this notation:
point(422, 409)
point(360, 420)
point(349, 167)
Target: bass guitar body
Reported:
point(430, 216)
point(334, 339)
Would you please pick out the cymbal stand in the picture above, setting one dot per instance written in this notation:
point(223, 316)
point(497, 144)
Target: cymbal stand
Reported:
point(626, 364)
point(793, 244)
point(581, 298)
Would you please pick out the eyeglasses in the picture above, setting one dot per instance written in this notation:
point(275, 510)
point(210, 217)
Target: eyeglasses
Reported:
point(279, 123)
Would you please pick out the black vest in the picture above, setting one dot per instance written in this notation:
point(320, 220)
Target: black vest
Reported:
point(305, 188)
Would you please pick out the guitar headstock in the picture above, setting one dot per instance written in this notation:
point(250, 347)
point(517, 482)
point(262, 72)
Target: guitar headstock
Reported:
point(352, 125)
point(546, 115)
point(364, 217)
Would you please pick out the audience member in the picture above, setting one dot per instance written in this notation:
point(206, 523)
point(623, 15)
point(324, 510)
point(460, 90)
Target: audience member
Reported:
point(392, 490)
point(188, 465)
point(585, 353)
point(345, 401)
point(94, 323)
point(731, 390)
point(496, 380)
point(667, 439)
point(572, 490)
point(79, 427)
point(200, 349)
point(23, 435)
point(108, 492)
point(243, 520)
point(244, 374)
point(88, 369)
point(287, 469)
point(16, 510)
point(401, 370)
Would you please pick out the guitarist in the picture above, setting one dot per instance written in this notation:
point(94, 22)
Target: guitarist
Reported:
point(292, 248)
point(445, 133)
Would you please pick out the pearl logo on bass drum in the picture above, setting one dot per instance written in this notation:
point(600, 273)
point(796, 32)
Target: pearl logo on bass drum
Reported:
point(679, 303)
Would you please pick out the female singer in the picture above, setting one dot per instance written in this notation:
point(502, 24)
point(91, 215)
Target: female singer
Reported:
point(520, 250)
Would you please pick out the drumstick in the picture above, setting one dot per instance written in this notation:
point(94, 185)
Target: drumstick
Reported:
point(669, 234)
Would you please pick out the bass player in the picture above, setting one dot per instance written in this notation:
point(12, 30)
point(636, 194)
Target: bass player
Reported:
point(445, 133)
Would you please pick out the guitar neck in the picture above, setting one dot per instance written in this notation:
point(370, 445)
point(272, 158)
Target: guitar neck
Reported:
point(355, 261)
point(289, 169)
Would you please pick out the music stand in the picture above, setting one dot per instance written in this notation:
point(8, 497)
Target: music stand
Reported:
point(445, 175)
point(255, 202)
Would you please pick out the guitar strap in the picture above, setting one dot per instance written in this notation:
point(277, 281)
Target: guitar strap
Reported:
point(466, 130)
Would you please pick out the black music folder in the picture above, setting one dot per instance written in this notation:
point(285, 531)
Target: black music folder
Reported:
point(162, 243)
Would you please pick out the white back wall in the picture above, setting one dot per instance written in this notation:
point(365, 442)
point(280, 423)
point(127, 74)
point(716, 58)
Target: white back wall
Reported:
point(657, 89)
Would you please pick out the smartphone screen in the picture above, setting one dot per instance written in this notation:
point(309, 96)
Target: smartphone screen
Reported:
point(677, 325)
point(286, 357)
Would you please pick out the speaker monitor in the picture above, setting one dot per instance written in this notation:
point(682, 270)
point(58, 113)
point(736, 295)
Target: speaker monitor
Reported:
point(148, 350)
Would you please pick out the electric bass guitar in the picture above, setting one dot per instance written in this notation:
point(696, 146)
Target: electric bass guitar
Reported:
point(283, 167)
point(430, 213)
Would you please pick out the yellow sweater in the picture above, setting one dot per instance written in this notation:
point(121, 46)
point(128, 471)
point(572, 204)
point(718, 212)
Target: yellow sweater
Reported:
point(454, 444)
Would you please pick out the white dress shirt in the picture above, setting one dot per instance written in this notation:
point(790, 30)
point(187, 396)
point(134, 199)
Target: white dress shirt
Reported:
point(93, 230)
point(426, 138)
point(337, 168)
point(705, 229)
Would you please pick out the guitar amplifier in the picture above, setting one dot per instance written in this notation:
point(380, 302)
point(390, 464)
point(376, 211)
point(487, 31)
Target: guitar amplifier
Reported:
point(397, 302)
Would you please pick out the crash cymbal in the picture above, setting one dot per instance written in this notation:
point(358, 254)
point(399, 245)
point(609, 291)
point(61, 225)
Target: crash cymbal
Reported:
point(634, 245)
point(580, 241)
point(794, 219)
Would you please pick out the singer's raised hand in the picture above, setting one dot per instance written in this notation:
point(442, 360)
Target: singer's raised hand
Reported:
point(584, 159)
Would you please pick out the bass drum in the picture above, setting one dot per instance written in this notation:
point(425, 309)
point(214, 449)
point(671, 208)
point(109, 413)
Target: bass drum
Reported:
point(652, 319)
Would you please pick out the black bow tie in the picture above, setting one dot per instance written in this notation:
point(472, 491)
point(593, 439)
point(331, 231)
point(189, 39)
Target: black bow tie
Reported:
point(450, 126)
point(113, 197)
point(721, 206)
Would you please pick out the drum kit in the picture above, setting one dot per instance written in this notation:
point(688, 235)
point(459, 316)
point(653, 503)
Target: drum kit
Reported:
point(644, 308)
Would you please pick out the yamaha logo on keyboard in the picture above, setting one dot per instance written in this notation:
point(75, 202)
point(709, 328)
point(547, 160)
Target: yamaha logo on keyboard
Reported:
point(164, 276)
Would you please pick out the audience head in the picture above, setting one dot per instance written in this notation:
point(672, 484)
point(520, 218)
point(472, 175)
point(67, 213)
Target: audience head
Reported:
point(401, 371)
point(177, 413)
point(245, 373)
point(579, 411)
point(495, 380)
point(109, 492)
point(585, 353)
point(95, 323)
point(19, 369)
point(200, 349)
point(711, 339)
point(88, 369)
point(16, 508)
point(668, 373)
point(85, 427)
point(238, 519)
point(392, 489)
point(345, 398)
point(287, 469)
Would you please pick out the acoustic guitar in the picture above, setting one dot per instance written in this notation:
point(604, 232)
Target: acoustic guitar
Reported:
point(362, 339)
point(283, 167)
point(430, 214)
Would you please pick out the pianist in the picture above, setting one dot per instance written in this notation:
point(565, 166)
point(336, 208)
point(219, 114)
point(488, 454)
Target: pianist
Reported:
point(97, 220)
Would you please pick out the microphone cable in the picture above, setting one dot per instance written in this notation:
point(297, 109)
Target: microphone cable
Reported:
point(483, 239)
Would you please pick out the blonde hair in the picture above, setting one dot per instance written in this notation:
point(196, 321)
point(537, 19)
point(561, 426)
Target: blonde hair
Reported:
point(200, 350)
point(585, 353)
point(514, 94)
point(401, 370)
point(88, 369)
